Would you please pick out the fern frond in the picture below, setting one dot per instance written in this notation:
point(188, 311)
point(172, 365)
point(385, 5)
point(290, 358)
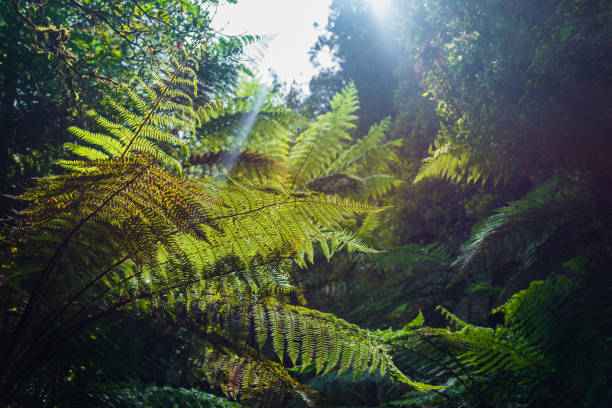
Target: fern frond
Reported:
point(532, 311)
point(319, 145)
point(147, 122)
point(368, 225)
point(253, 121)
point(249, 377)
point(319, 339)
point(179, 227)
point(340, 239)
point(368, 155)
point(524, 231)
point(450, 163)
point(378, 185)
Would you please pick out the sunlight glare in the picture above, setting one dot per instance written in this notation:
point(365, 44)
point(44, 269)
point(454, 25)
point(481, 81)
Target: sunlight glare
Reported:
point(378, 6)
point(245, 127)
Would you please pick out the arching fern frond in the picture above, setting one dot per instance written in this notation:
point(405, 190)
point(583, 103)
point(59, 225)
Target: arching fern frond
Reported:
point(252, 121)
point(317, 147)
point(369, 155)
point(153, 119)
point(452, 163)
point(310, 337)
point(377, 185)
point(235, 220)
point(547, 220)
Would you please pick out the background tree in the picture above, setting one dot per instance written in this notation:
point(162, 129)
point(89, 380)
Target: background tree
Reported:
point(366, 54)
point(522, 87)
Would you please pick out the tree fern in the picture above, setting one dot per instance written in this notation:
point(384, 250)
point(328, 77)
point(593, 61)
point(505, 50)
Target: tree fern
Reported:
point(122, 231)
point(251, 122)
point(452, 163)
point(368, 155)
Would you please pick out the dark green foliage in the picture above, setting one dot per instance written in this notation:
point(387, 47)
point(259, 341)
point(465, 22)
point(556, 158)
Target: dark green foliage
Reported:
point(522, 88)
point(552, 348)
point(531, 359)
point(123, 361)
point(173, 258)
point(57, 56)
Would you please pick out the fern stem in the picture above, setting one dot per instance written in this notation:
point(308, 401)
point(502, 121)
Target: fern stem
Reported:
point(280, 203)
point(25, 317)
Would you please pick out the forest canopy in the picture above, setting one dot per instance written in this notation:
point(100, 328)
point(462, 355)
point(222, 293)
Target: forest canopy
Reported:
point(428, 226)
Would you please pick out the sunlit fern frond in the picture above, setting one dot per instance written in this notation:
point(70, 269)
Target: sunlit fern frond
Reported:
point(369, 223)
point(130, 231)
point(252, 121)
point(145, 206)
point(369, 155)
point(319, 145)
point(157, 119)
point(519, 345)
point(334, 241)
point(461, 163)
point(308, 338)
point(145, 233)
point(247, 165)
point(359, 171)
point(377, 185)
point(297, 335)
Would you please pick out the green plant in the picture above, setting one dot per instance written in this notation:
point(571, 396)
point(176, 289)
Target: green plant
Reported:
point(121, 231)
